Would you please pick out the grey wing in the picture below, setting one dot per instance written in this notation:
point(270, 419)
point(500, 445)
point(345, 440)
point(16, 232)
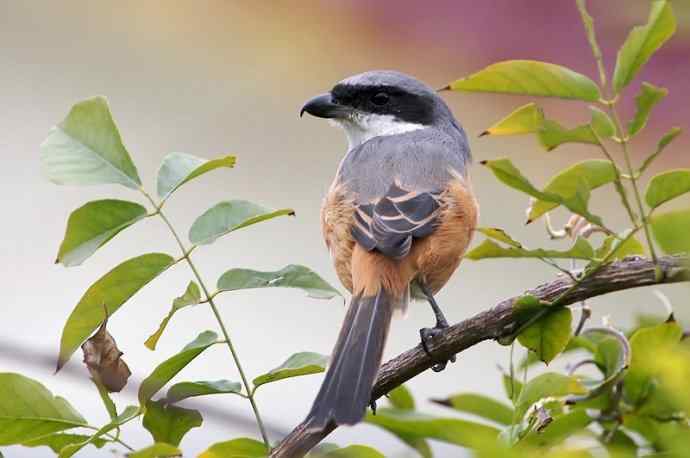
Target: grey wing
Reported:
point(390, 224)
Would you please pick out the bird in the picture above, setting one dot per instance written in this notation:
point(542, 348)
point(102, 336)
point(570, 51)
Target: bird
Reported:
point(397, 219)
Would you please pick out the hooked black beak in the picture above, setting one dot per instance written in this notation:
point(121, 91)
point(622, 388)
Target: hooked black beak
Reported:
point(323, 106)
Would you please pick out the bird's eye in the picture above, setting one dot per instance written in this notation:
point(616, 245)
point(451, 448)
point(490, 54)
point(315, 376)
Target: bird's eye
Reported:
point(380, 99)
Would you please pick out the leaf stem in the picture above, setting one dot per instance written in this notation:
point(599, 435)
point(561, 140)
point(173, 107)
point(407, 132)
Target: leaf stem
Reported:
point(633, 179)
point(209, 298)
point(111, 438)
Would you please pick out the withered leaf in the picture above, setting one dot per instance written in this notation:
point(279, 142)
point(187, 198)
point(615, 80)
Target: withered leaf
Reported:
point(104, 360)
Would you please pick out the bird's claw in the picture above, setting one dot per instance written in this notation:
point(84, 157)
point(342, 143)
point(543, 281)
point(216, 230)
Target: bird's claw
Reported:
point(427, 335)
point(372, 405)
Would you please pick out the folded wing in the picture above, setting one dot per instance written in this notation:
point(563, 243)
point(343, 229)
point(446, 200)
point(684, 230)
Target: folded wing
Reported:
point(390, 224)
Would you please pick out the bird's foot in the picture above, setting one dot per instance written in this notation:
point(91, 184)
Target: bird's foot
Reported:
point(372, 405)
point(428, 335)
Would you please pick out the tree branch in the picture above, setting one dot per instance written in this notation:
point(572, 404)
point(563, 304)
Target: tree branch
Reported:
point(497, 322)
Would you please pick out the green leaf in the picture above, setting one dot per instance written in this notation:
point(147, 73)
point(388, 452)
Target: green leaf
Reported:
point(663, 143)
point(57, 442)
point(601, 123)
point(106, 399)
point(158, 450)
point(507, 173)
point(550, 384)
point(91, 226)
point(666, 186)
point(524, 120)
point(354, 451)
point(549, 335)
point(619, 247)
point(479, 405)
point(304, 363)
point(86, 149)
point(128, 414)
point(236, 448)
point(594, 172)
point(646, 344)
point(291, 276)
point(401, 398)
point(670, 230)
point(168, 423)
point(529, 77)
point(581, 249)
point(642, 42)
point(111, 290)
point(500, 235)
point(191, 296)
point(171, 366)
point(28, 410)
point(612, 355)
point(184, 390)
point(649, 96)
point(179, 168)
point(229, 216)
point(561, 428)
point(552, 135)
point(416, 425)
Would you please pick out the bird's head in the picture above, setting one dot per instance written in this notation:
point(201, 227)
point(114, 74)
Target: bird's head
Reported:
point(379, 103)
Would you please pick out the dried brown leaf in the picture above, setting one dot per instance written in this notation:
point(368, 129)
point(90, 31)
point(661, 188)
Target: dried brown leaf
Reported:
point(104, 360)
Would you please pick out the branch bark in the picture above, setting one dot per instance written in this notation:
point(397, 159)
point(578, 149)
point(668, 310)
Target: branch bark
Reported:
point(497, 322)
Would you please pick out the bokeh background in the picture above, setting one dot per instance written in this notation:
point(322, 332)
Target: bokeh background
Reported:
point(216, 77)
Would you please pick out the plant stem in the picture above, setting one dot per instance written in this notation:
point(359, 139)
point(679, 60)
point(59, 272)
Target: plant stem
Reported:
point(618, 182)
point(111, 438)
point(633, 179)
point(209, 298)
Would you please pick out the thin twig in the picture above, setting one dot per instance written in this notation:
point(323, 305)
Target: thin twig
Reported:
point(209, 299)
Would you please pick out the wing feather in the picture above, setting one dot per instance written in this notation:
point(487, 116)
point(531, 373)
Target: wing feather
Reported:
point(390, 224)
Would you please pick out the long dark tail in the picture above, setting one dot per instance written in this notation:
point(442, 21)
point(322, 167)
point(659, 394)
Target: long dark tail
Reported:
point(346, 390)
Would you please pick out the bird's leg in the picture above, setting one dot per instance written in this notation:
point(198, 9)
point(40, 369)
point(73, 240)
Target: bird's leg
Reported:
point(427, 334)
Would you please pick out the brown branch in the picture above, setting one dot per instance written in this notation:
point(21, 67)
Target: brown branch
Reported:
point(500, 321)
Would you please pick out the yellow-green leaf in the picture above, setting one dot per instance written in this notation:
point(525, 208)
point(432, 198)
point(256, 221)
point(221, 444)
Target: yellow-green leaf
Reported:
point(552, 135)
point(663, 143)
point(192, 296)
point(236, 448)
point(169, 423)
point(111, 290)
point(91, 226)
point(184, 390)
point(594, 172)
point(291, 276)
point(601, 123)
point(646, 344)
point(157, 450)
point(549, 335)
point(129, 413)
point(666, 186)
point(229, 216)
point(642, 42)
point(86, 148)
point(29, 411)
point(179, 168)
point(303, 363)
point(524, 120)
point(166, 370)
point(550, 384)
point(672, 231)
point(529, 77)
point(479, 405)
point(649, 96)
point(581, 249)
point(415, 425)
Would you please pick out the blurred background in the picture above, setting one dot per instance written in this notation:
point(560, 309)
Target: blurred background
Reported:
point(218, 77)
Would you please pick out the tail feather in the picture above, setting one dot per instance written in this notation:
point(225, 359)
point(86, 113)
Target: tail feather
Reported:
point(346, 389)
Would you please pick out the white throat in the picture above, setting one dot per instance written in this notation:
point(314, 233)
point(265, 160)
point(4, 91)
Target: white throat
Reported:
point(361, 127)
